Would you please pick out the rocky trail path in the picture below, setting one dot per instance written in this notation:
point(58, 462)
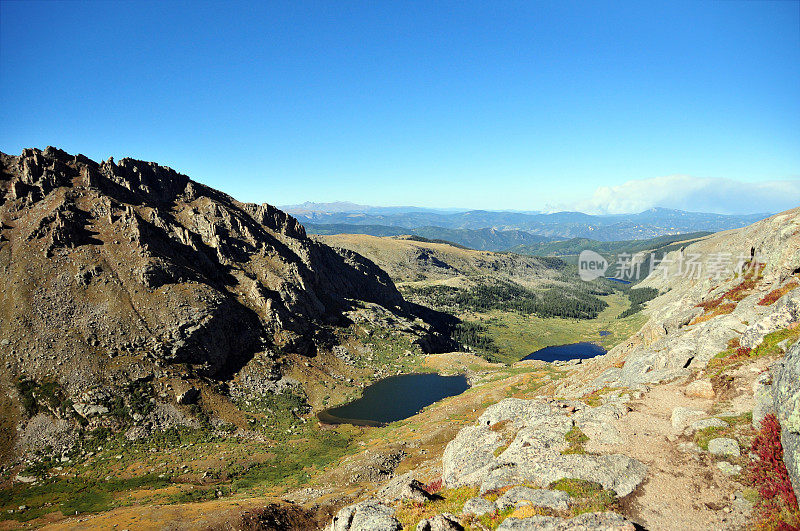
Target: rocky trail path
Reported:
point(683, 489)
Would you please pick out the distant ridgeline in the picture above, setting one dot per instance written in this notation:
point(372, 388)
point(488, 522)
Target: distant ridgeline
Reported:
point(501, 231)
point(514, 240)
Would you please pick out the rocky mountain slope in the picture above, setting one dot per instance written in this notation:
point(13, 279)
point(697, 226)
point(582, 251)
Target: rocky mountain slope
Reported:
point(672, 429)
point(114, 273)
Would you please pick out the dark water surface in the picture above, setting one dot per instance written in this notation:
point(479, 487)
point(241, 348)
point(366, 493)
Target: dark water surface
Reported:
point(395, 398)
point(572, 351)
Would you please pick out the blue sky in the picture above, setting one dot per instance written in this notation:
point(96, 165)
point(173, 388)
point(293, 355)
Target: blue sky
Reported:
point(527, 105)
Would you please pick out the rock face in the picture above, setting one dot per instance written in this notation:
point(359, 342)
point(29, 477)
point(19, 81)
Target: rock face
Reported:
point(133, 256)
point(517, 442)
point(676, 340)
point(786, 402)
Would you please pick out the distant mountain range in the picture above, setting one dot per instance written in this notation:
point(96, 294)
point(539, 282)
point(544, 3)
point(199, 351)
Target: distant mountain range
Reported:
point(339, 207)
point(502, 230)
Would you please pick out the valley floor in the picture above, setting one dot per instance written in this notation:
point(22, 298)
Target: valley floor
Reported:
point(685, 488)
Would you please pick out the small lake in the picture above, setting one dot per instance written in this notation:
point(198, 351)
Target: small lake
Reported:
point(572, 351)
point(395, 398)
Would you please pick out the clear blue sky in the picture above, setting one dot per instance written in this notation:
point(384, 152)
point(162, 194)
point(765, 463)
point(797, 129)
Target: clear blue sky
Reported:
point(473, 104)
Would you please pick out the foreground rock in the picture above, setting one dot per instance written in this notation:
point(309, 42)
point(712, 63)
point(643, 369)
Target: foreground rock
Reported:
point(724, 446)
point(683, 417)
point(517, 442)
point(368, 515)
point(700, 389)
point(440, 522)
point(598, 521)
point(519, 496)
point(478, 506)
point(404, 487)
point(786, 402)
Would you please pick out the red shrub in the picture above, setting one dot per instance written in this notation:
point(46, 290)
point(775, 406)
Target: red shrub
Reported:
point(774, 295)
point(434, 486)
point(769, 475)
point(743, 351)
point(710, 305)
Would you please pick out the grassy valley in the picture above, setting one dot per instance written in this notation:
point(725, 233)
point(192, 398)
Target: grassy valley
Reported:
point(509, 305)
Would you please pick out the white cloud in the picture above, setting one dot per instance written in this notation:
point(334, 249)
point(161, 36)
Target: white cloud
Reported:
point(724, 196)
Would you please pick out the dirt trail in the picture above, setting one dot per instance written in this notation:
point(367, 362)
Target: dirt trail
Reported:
point(683, 489)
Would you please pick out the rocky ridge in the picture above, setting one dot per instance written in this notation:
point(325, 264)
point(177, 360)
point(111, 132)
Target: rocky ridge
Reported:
point(116, 274)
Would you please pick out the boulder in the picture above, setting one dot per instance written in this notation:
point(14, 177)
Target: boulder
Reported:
point(533, 523)
point(729, 469)
point(533, 454)
point(368, 515)
point(596, 422)
point(700, 389)
point(683, 417)
point(478, 506)
point(517, 496)
point(517, 410)
point(467, 458)
point(89, 410)
point(606, 521)
point(616, 472)
point(440, 522)
point(724, 446)
point(404, 487)
point(708, 423)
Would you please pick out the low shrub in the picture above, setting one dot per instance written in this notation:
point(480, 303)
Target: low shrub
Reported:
point(576, 439)
point(587, 496)
point(715, 307)
point(776, 507)
point(434, 486)
point(773, 296)
point(447, 501)
point(720, 309)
